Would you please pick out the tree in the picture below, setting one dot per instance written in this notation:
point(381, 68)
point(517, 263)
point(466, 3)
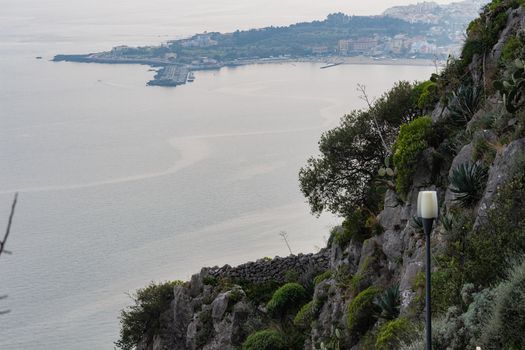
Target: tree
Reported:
point(340, 179)
point(3, 242)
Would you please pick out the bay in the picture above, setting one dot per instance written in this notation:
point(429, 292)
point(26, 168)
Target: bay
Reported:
point(121, 184)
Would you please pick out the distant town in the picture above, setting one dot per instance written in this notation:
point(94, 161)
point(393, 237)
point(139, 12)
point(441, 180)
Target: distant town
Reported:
point(423, 31)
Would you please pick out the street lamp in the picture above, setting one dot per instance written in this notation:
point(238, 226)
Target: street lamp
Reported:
point(427, 210)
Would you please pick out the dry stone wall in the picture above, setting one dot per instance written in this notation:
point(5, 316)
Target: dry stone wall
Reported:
point(275, 269)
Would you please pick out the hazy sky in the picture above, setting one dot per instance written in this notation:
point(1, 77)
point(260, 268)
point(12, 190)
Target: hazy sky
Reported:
point(50, 20)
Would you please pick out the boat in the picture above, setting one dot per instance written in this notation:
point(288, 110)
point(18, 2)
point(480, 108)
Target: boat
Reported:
point(329, 65)
point(38, 57)
point(191, 77)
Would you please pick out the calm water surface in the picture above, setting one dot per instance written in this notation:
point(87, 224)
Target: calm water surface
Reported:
point(121, 184)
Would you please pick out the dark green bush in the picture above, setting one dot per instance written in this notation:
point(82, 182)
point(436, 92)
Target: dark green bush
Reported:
point(389, 302)
point(447, 281)
point(354, 226)
point(265, 340)
point(467, 182)
point(142, 320)
point(358, 225)
point(426, 95)
point(205, 329)
point(306, 315)
point(361, 313)
point(259, 293)
point(502, 234)
point(393, 333)
point(287, 300)
point(210, 280)
point(411, 141)
point(471, 48)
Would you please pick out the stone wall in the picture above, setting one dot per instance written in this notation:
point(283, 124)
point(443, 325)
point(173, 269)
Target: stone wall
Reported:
point(275, 269)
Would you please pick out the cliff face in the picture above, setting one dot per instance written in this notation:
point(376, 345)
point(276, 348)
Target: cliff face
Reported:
point(220, 307)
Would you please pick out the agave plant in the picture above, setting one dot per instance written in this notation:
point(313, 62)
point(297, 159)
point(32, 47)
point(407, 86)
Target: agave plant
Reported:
point(448, 222)
point(513, 88)
point(389, 302)
point(467, 183)
point(465, 103)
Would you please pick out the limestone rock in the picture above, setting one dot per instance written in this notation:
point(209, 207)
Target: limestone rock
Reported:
point(504, 165)
point(182, 315)
point(196, 285)
point(439, 113)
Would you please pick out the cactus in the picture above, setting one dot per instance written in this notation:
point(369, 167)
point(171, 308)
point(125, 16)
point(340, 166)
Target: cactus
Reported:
point(513, 87)
point(387, 174)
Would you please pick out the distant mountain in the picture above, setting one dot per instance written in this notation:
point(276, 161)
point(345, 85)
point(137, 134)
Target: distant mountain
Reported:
point(456, 14)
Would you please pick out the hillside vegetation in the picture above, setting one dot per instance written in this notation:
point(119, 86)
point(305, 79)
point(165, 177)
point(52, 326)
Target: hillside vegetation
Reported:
point(462, 133)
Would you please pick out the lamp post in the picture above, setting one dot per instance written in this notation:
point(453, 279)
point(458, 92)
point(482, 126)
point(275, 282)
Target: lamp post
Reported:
point(427, 210)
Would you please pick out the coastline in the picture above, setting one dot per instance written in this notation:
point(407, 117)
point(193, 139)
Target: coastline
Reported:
point(172, 74)
point(353, 60)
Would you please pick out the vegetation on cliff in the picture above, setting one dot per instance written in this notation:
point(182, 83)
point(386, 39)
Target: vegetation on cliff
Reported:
point(461, 133)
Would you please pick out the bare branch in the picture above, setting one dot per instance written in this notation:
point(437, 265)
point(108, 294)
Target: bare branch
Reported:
point(435, 60)
point(8, 229)
point(364, 96)
point(284, 235)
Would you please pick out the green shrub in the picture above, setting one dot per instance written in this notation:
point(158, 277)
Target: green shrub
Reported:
point(446, 284)
point(393, 333)
point(359, 225)
point(511, 49)
point(305, 316)
point(355, 225)
point(389, 302)
point(467, 182)
point(210, 280)
point(470, 48)
point(286, 300)
point(426, 95)
point(265, 340)
point(361, 313)
point(341, 237)
point(324, 276)
point(259, 293)
point(506, 324)
point(502, 234)
point(411, 141)
point(205, 328)
point(142, 320)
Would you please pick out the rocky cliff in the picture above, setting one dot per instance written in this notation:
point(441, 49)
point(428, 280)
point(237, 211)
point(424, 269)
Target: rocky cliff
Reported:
point(219, 308)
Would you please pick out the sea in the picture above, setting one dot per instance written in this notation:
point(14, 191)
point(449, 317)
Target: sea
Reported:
point(121, 184)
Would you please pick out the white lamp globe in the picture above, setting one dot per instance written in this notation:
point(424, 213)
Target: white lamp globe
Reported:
point(427, 205)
